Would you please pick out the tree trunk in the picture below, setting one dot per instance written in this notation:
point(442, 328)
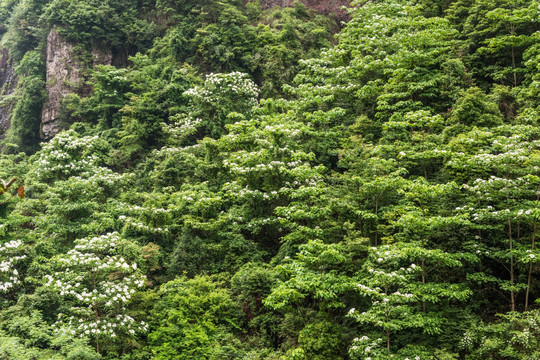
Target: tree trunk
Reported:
point(529, 277)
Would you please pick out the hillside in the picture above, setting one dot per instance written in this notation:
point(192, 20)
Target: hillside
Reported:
point(269, 180)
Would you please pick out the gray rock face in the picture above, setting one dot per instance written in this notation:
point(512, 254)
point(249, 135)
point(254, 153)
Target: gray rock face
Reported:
point(8, 83)
point(65, 75)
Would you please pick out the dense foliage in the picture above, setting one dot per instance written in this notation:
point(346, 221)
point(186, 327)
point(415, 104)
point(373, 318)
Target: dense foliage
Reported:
point(238, 183)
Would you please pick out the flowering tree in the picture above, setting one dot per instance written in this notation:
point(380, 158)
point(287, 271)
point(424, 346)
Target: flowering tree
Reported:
point(221, 96)
point(390, 280)
point(244, 191)
point(98, 284)
point(9, 256)
point(69, 179)
point(314, 282)
point(503, 185)
point(68, 154)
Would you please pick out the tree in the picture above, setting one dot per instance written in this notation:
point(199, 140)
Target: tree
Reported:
point(69, 179)
point(222, 99)
point(495, 35)
point(511, 336)
point(313, 288)
point(389, 280)
point(500, 172)
point(194, 318)
point(97, 285)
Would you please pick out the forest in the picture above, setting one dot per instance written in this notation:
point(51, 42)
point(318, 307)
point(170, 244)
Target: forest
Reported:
point(228, 179)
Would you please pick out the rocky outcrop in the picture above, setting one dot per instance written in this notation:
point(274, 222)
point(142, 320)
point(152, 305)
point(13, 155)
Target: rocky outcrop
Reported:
point(65, 75)
point(323, 6)
point(8, 83)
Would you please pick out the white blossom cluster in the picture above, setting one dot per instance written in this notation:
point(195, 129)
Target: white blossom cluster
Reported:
point(467, 341)
point(9, 275)
point(507, 152)
point(366, 348)
point(140, 226)
point(99, 283)
point(234, 82)
point(491, 192)
point(99, 177)
point(66, 154)
point(137, 218)
point(182, 127)
point(100, 327)
point(275, 165)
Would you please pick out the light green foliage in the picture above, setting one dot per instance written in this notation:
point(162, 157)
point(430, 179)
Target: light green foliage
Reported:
point(313, 274)
point(194, 319)
point(395, 284)
point(474, 109)
point(258, 182)
point(12, 168)
point(26, 335)
point(68, 155)
point(503, 186)
point(318, 341)
point(374, 74)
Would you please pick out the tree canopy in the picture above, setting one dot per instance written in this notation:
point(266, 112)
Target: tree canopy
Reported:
point(249, 183)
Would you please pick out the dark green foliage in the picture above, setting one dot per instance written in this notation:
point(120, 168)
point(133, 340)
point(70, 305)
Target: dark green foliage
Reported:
point(514, 336)
point(23, 32)
point(474, 109)
point(24, 131)
point(495, 35)
point(114, 23)
point(286, 35)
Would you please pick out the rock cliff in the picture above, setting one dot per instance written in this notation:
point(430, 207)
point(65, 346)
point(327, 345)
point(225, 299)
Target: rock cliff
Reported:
point(65, 75)
point(8, 83)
